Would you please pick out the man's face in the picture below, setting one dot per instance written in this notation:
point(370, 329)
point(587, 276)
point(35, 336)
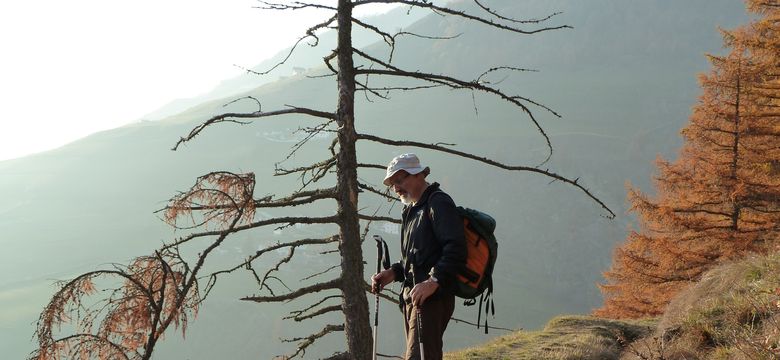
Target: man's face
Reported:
point(406, 186)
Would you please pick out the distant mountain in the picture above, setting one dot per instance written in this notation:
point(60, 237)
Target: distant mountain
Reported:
point(302, 60)
point(623, 79)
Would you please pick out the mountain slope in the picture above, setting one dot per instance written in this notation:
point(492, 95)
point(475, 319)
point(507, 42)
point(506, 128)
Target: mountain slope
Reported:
point(623, 80)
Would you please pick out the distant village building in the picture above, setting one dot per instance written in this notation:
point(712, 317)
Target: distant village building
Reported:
point(298, 70)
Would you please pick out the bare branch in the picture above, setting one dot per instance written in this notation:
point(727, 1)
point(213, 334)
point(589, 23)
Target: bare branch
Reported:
point(489, 162)
point(391, 39)
point(305, 342)
point(460, 84)
point(309, 34)
point(333, 284)
point(321, 272)
point(295, 199)
point(318, 303)
point(402, 88)
point(327, 60)
point(278, 246)
point(228, 117)
point(449, 11)
point(272, 221)
point(532, 21)
point(279, 263)
point(366, 89)
point(377, 218)
point(319, 166)
point(372, 166)
point(294, 5)
point(247, 264)
point(385, 194)
point(317, 171)
point(311, 132)
point(479, 78)
point(322, 311)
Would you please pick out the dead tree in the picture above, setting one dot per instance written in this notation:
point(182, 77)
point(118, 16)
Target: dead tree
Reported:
point(222, 202)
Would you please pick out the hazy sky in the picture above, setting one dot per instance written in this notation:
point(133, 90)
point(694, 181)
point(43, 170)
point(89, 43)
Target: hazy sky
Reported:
point(71, 68)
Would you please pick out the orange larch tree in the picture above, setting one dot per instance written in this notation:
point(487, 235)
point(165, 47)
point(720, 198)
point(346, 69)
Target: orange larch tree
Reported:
point(719, 199)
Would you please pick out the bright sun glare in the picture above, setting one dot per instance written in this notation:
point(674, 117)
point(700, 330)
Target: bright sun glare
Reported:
point(72, 68)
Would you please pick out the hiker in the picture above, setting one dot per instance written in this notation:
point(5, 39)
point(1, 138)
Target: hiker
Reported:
point(433, 250)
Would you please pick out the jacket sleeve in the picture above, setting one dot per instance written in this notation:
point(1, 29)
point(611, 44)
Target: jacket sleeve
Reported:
point(448, 229)
point(398, 269)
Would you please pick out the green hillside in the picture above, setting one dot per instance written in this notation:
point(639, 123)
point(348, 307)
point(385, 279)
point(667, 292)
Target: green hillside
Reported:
point(623, 80)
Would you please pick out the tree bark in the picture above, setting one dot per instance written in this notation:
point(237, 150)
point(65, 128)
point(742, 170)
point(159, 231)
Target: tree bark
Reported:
point(735, 151)
point(357, 325)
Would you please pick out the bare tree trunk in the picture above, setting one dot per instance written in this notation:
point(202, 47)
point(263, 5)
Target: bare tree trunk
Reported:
point(735, 149)
point(355, 305)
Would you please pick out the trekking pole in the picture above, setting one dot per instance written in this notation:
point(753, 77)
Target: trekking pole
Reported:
point(419, 317)
point(379, 257)
point(383, 257)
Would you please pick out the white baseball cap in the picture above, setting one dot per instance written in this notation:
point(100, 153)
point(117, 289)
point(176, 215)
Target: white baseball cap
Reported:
point(406, 162)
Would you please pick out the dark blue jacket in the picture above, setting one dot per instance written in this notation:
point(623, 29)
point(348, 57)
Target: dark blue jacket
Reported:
point(432, 240)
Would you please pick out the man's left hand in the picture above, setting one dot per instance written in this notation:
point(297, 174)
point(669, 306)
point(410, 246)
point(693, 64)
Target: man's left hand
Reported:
point(422, 291)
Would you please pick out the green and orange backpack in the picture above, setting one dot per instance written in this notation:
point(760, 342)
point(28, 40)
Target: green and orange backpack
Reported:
point(476, 277)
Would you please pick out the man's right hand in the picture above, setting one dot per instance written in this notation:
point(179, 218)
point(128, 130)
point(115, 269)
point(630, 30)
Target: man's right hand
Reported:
point(380, 279)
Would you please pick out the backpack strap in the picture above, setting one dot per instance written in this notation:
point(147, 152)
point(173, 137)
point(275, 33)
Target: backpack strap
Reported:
point(490, 308)
point(428, 202)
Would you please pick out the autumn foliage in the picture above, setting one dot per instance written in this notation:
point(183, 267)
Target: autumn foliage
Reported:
point(121, 313)
point(719, 199)
point(144, 299)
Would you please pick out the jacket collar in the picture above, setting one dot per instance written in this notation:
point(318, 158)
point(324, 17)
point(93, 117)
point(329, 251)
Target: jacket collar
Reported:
point(424, 197)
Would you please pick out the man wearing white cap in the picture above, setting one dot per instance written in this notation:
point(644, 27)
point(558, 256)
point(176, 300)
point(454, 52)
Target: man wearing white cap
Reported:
point(433, 251)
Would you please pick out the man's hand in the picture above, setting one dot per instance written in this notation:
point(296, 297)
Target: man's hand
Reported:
point(380, 279)
point(422, 291)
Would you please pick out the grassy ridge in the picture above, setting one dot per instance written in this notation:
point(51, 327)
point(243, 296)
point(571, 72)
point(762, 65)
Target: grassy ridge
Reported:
point(564, 337)
point(732, 313)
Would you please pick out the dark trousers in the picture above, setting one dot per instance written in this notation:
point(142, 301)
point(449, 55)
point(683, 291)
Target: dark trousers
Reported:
point(435, 313)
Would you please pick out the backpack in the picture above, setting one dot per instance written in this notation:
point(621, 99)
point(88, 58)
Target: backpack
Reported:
point(476, 277)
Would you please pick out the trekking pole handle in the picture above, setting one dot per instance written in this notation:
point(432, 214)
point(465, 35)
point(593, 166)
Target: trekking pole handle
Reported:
point(379, 252)
point(385, 254)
